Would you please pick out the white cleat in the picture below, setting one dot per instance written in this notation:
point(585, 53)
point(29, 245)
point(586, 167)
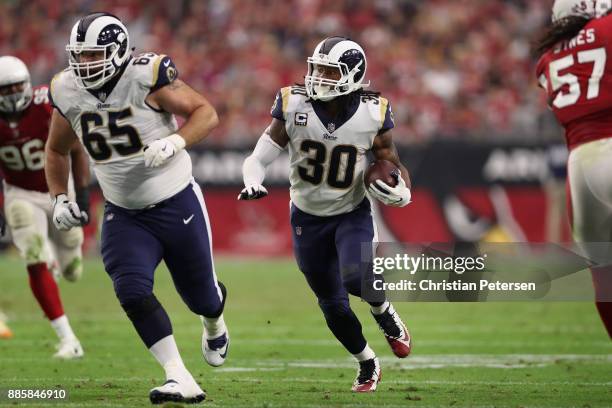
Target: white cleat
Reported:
point(215, 350)
point(186, 391)
point(69, 349)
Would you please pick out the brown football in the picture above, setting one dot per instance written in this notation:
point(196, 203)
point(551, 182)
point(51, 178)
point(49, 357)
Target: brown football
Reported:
point(382, 170)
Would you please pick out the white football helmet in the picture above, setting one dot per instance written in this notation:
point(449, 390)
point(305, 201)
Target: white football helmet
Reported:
point(580, 8)
point(14, 71)
point(336, 53)
point(98, 32)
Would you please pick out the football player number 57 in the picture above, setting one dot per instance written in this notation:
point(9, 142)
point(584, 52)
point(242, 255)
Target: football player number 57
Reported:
point(596, 56)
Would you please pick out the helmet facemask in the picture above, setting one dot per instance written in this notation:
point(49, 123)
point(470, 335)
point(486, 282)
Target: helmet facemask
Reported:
point(93, 74)
point(17, 101)
point(325, 89)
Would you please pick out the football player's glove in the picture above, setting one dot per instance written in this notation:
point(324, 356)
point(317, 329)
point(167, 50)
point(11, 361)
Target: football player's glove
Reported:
point(160, 151)
point(253, 192)
point(66, 213)
point(82, 200)
point(398, 196)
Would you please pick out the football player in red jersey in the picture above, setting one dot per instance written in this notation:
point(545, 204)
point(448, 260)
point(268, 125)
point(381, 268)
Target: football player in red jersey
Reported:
point(25, 114)
point(575, 70)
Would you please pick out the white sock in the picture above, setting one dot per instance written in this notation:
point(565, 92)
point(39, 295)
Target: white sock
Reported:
point(215, 327)
point(167, 355)
point(62, 328)
point(366, 354)
point(378, 310)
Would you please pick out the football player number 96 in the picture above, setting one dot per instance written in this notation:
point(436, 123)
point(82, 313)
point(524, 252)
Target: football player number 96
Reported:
point(30, 156)
point(96, 143)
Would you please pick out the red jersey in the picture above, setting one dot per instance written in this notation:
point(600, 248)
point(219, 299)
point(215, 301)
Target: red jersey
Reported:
point(22, 144)
point(577, 76)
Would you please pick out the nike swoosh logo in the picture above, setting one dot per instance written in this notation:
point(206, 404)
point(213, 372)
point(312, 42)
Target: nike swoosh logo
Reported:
point(167, 63)
point(226, 350)
point(187, 220)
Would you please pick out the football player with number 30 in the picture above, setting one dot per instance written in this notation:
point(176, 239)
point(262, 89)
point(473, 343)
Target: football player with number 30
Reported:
point(328, 125)
point(122, 109)
point(575, 70)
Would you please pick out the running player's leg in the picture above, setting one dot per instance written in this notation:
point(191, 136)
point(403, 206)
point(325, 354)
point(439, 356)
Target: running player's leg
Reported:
point(131, 252)
point(187, 242)
point(316, 256)
point(590, 206)
point(28, 224)
point(355, 239)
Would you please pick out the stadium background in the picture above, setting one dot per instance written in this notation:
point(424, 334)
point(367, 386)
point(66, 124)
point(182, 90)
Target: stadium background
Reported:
point(487, 161)
point(486, 157)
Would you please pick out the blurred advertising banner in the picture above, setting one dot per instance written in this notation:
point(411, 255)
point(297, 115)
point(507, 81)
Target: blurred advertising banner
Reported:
point(462, 191)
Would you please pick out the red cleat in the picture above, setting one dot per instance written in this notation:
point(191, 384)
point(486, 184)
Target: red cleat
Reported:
point(368, 377)
point(395, 332)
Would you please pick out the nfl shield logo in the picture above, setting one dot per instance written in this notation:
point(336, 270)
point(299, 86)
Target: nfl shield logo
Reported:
point(331, 127)
point(298, 230)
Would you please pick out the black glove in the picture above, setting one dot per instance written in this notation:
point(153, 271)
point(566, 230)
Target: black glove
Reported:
point(82, 200)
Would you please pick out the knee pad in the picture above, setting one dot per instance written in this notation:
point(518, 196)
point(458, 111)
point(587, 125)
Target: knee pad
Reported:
point(72, 238)
point(19, 214)
point(26, 236)
point(140, 308)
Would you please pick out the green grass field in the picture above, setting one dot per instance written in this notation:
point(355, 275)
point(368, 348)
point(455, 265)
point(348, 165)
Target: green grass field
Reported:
point(488, 354)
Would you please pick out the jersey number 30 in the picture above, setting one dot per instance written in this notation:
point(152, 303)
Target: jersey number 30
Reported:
point(97, 145)
point(341, 164)
point(595, 56)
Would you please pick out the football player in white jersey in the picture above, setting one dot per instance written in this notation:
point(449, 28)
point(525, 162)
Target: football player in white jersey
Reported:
point(328, 125)
point(121, 108)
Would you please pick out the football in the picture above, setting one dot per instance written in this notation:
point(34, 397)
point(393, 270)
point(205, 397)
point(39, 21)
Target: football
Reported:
point(382, 170)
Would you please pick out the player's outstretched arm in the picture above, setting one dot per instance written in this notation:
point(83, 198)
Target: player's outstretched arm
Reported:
point(383, 148)
point(271, 143)
point(180, 99)
point(66, 214)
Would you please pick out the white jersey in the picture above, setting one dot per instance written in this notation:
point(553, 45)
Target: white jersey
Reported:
point(328, 157)
point(114, 123)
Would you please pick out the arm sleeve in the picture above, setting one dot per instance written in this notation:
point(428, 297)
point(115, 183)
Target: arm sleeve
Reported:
point(265, 152)
point(277, 108)
point(164, 72)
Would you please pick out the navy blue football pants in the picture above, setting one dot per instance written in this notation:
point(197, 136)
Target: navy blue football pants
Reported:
point(134, 242)
point(328, 251)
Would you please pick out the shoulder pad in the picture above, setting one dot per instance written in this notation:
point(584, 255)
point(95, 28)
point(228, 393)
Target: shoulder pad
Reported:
point(153, 70)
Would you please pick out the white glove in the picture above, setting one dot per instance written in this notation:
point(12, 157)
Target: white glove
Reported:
point(253, 192)
point(66, 213)
point(398, 196)
point(158, 152)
